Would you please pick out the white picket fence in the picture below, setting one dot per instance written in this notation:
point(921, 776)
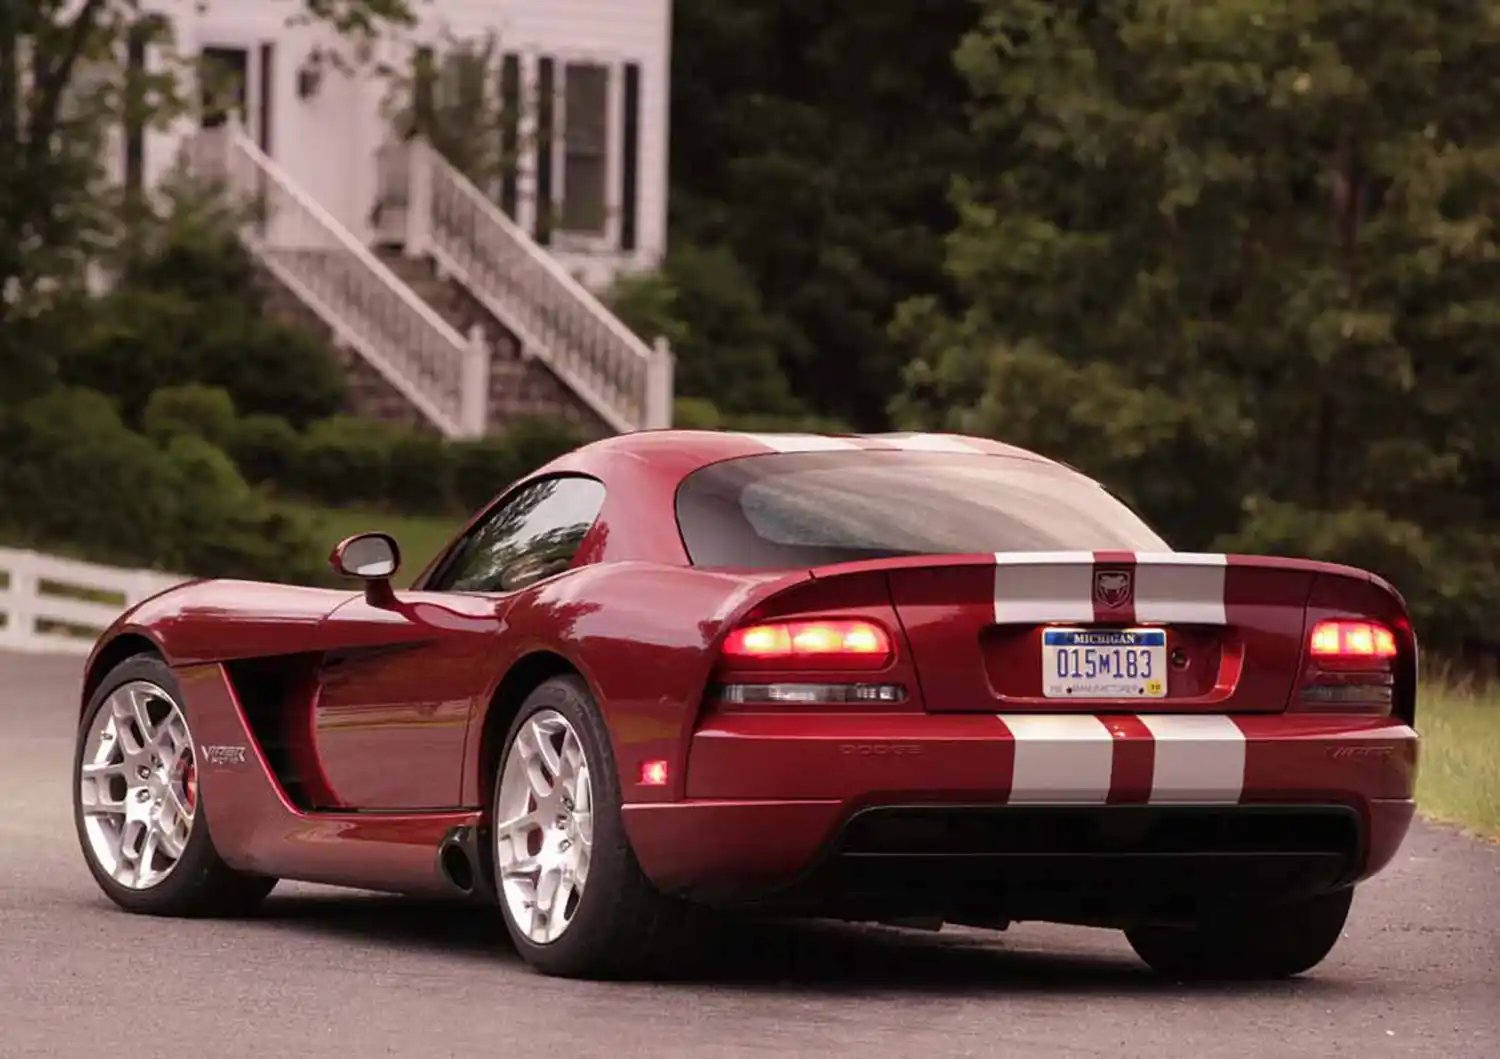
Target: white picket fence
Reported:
point(52, 605)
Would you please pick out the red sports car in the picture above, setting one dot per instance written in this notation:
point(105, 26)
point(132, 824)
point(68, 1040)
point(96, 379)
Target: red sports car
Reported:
point(899, 678)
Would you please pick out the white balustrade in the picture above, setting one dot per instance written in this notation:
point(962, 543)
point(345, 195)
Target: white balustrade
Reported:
point(436, 211)
point(340, 279)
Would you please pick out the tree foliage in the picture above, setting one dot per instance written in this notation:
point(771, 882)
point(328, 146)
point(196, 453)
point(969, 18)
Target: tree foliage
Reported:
point(63, 83)
point(723, 338)
point(452, 97)
point(1244, 265)
point(812, 143)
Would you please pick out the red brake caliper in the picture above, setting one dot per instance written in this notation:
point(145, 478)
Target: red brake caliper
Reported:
point(189, 781)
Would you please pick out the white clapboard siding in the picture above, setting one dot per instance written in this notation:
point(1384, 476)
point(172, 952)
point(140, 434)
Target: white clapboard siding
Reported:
point(52, 605)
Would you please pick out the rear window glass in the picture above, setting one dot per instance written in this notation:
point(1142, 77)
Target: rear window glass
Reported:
point(806, 509)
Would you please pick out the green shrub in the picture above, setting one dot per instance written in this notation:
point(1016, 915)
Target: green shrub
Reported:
point(129, 344)
point(265, 448)
point(224, 528)
point(538, 440)
point(133, 342)
point(194, 250)
point(482, 468)
point(728, 347)
point(191, 308)
point(74, 473)
point(352, 461)
point(76, 478)
point(344, 460)
point(230, 340)
point(421, 477)
point(696, 413)
point(270, 367)
point(191, 410)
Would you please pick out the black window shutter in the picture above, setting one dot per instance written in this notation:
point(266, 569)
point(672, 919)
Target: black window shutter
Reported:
point(545, 118)
point(510, 130)
point(267, 81)
point(631, 160)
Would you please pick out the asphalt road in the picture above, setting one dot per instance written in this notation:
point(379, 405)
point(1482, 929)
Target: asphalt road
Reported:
point(334, 973)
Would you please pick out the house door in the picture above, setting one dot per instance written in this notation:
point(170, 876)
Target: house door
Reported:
point(237, 81)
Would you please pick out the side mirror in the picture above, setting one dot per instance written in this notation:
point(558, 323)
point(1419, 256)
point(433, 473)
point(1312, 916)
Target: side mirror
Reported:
point(374, 558)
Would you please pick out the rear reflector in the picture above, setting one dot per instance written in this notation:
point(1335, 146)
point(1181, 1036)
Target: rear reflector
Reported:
point(860, 643)
point(653, 773)
point(810, 694)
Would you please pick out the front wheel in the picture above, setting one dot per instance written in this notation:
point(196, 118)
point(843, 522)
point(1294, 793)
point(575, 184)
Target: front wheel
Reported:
point(136, 804)
point(1263, 943)
point(575, 900)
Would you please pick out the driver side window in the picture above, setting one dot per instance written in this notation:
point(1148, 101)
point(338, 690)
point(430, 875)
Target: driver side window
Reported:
point(533, 535)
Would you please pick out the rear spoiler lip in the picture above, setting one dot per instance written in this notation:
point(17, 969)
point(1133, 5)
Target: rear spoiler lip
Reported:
point(1264, 562)
point(1234, 559)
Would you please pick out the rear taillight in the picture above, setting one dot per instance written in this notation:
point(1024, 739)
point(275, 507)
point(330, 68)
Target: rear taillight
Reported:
point(1352, 643)
point(1350, 667)
point(840, 644)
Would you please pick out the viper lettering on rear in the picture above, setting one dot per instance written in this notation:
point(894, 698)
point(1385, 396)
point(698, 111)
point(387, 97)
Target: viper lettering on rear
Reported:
point(1342, 753)
point(880, 749)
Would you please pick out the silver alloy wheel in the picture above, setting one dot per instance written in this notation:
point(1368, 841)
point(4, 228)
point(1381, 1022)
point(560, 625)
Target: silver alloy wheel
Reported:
point(544, 826)
point(138, 786)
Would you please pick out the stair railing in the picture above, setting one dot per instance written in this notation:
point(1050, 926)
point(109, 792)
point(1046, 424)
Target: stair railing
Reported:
point(443, 374)
point(435, 210)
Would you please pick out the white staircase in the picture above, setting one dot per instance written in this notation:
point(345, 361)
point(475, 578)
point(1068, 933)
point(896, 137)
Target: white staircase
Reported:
point(436, 212)
point(443, 374)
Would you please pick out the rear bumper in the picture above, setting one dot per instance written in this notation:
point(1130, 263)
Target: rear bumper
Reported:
point(834, 812)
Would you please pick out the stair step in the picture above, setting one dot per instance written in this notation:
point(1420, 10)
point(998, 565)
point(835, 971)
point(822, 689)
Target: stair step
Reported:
point(518, 387)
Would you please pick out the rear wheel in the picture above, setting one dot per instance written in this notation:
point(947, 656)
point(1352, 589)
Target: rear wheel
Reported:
point(1265, 943)
point(136, 802)
point(575, 900)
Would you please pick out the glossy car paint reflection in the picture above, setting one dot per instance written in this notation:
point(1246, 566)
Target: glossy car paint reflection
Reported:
point(403, 685)
point(256, 829)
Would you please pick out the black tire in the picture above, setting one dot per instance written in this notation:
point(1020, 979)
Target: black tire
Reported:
point(1256, 944)
point(201, 885)
point(623, 926)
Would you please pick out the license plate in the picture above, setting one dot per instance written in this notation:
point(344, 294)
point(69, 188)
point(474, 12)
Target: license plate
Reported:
point(1104, 664)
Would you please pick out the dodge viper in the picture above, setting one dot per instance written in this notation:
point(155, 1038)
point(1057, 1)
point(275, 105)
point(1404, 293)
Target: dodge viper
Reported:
point(899, 678)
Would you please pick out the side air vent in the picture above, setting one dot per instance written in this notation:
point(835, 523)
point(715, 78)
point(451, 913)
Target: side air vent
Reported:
point(276, 695)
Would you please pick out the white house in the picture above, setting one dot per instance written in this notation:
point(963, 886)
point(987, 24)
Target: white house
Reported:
point(351, 214)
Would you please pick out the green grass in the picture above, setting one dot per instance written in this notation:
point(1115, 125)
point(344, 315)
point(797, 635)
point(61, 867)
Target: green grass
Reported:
point(420, 537)
point(1458, 779)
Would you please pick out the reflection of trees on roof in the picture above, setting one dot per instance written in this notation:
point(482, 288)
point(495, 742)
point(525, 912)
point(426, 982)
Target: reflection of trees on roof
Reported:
point(946, 510)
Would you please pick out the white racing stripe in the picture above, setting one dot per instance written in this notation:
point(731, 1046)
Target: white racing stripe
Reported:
point(1035, 587)
point(1060, 758)
point(925, 442)
point(1182, 587)
point(1198, 758)
point(803, 442)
